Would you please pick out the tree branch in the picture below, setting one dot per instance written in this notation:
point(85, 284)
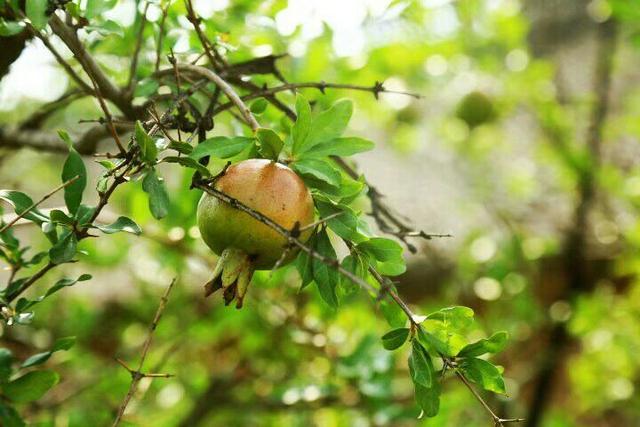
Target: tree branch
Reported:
point(91, 67)
point(137, 375)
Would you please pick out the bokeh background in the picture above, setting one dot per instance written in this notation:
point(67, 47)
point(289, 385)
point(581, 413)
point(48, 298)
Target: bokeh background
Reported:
point(524, 148)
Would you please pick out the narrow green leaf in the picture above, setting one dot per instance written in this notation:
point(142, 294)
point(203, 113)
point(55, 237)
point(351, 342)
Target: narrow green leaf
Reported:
point(148, 149)
point(421, 367)
point(382, 249)
point(258, 106)
point(302, 126)
point(121, 224)
point(392, 313)
point(395, 338)
point(21, 202)
point(221, 147)
point(189, 163)
point(74, 166)
point(64, 250)
point(304, 265)
point(270, 143)
point(483, 373)
point(428, 398)
point(59, 217)
point(346, 224)
point(342, 147)
point(327, 125)
point(36, 12)
point(326, 277)
point(61, 344)
point(158, 197)
point(494, 344)
point(6, 360)
point(318, 169)
point(31, 386)
point(355, 265)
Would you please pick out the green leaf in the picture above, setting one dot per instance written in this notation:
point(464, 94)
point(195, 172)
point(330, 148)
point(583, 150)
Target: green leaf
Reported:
point(304, 265)
point(97, 7)
point(9, 417)
point(431, 341)
point(64, 250)
point(483, 373)
point(382, 249)
point(21, 202)
point(258, 106)
point(121, 224)
point(428, 398)
point(421, 367)
point(84, 214)
point(302, 126)
point(444, 329)
point(59, 217)
point(355, 265)
point(158, 197)
point(392, 313)
point(31, 386)
point(189, 163)
point(107, 164)
point(74, 166)
point(326, 277)
point(148, 149)
point(6, 359)
point(221, 147)
point(346, 225)
point(36, 12)
point(10, 28)
point(395, 338)
point(391, 268)
point(270, 143)
point(326, 126)
point(180, 147)
point(494, 344)
point(318, 169)
point(458, 317)
point(146, 87)
point(339, 147)
point(61, 344)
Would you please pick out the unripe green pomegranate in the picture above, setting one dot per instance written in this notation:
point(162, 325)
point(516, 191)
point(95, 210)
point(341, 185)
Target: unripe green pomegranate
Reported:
point(476, 108)
point(244, 243)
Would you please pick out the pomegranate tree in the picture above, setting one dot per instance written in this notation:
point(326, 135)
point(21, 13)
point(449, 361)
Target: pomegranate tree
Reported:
point(243, 243)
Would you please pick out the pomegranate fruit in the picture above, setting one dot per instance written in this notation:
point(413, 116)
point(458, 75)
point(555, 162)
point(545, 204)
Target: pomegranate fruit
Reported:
point(244, 243)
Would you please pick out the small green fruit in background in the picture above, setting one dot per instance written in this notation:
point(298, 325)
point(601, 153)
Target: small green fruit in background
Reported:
point(475, 109)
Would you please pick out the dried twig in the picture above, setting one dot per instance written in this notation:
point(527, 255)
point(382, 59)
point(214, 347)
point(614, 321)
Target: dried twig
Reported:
point(137, 374)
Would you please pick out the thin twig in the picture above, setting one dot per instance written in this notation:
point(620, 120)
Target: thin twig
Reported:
point(376, 89)
point(498, 422)
point(226, 88)
point(137, 375)
point(45, 197)
point(136, 51)
point(161, 37)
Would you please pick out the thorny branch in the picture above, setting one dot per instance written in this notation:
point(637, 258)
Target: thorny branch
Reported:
point(137, 374)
